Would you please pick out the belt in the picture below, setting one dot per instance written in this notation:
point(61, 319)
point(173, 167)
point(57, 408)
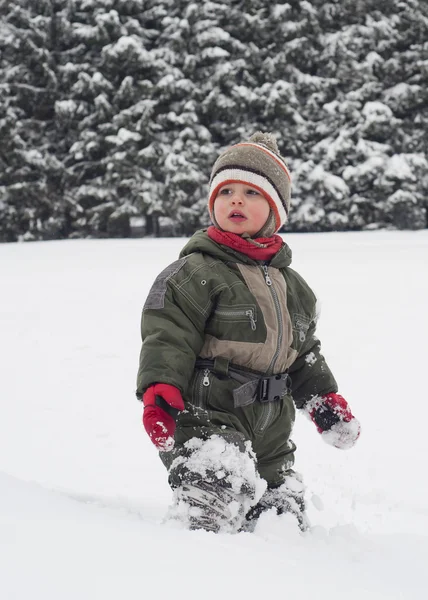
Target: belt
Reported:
point(255, 385)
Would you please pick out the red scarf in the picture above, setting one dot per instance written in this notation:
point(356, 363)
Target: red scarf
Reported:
point(257, 249)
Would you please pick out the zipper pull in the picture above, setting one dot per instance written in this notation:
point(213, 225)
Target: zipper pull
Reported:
point(206, 379)
point(267, 278)
point(250, 315)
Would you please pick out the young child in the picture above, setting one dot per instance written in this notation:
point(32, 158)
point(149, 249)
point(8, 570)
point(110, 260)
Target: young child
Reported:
point(228, 344)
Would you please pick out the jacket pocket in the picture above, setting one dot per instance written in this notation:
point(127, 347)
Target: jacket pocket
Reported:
point(209, 391)
point(300, 327)
point(235, 314)
point(267, 413)
point(200, 388)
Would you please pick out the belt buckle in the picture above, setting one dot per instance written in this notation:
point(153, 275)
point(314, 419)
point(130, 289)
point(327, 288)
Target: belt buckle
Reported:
point(272, 388)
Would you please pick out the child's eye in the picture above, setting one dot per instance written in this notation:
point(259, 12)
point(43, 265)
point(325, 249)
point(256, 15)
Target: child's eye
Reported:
point(224, 191)
point(252, 192)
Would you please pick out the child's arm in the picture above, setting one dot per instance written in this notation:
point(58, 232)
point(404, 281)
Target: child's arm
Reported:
point(172, 330)
point(172, 339)
point(314, 391)
point(173, 324)
point(310, 374)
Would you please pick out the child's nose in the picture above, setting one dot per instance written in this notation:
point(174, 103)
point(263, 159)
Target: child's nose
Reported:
point(238, 198)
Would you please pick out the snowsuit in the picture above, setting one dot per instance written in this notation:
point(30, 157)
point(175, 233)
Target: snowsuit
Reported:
point(220, 326)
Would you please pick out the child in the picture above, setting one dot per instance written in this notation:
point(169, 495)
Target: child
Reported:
point(228, 343)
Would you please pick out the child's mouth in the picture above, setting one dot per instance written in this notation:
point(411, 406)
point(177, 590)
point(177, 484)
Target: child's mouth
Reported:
point(237, 217)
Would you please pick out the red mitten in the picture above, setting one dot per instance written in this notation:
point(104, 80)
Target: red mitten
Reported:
point(162, 403)
point(334, 420)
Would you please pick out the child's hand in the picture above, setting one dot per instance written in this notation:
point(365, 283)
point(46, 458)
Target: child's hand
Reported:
point(334, 420)
point(162, 403)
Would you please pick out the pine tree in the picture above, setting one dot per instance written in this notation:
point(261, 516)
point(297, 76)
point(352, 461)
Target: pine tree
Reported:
point(31, 174)
point(373, 117)
point(111, 109)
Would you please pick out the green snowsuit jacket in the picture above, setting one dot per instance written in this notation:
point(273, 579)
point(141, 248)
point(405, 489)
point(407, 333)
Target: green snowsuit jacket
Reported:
point(213, 323)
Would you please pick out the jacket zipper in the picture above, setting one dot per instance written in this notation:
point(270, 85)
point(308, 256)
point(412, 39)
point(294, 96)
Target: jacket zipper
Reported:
point(201, 384)
point(269, 283)
point(205, 380)
point(239, 313)
point(268, 407)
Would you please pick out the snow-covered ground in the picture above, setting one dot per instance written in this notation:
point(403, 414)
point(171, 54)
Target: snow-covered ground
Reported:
point(83, 493)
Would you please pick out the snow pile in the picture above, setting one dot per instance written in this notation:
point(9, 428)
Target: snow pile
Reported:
point(219, 463)
point(223, 461)
point(83, 494)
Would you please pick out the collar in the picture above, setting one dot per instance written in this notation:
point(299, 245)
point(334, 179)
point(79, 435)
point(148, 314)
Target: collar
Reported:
point(257, 249)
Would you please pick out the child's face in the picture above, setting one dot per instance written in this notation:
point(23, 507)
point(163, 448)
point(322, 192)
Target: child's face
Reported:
point(240, 208)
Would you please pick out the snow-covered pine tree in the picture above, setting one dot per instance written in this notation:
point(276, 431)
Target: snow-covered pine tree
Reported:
point(31, 204)
point(139, 144)
point(105, 115)
point(179, 144)
point(114, 108)
point(371, 126)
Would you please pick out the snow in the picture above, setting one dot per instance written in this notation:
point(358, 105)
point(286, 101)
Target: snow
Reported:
point(213, 35)
point(373, 58)
point(371, 165)
point(375, 111)
point(123, 136)
point(336, 186)
point(223, 460)
point(83, 494)
point(279, 10)
point(398, 167)
point(85, 32)
point(401, 91)
point(310, 358)
point(67, 107)
point(214, 52)
point(125, 45)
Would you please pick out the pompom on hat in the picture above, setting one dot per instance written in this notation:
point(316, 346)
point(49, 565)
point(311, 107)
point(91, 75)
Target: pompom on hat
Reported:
point(258, 163)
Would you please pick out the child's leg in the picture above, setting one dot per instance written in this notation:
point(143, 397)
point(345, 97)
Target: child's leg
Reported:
point(285, 492)
point(214, 481)
point(287, 497)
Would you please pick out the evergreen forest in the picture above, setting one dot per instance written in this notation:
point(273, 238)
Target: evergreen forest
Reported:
point(112, 112)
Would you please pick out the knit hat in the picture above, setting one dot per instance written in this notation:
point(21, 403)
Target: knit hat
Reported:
point(257, 163)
